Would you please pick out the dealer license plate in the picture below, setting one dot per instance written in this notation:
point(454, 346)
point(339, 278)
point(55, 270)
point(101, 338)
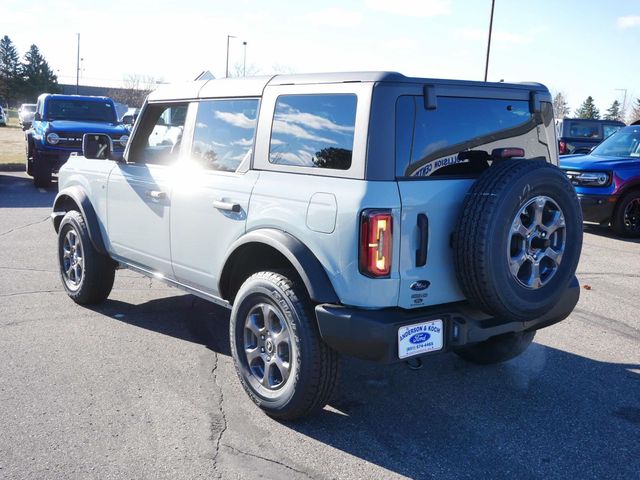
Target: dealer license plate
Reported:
point(420, 338)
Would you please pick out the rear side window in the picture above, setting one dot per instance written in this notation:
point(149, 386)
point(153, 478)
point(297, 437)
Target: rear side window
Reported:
point(458, 137)
point(313, 131)
point(578, 129)
point(224, 133)
point(608, 130)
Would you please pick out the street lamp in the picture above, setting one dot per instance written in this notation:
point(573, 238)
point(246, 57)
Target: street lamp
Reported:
point(226, 75)
point(244, 60)
point(486, 65)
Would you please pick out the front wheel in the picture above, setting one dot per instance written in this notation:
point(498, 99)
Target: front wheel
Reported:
point(497, 349)
point(87, 275)
point(626, 217)
point(283, 365)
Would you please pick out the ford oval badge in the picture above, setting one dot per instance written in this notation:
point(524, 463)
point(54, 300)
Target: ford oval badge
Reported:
point(420, 337)
point(420, 285)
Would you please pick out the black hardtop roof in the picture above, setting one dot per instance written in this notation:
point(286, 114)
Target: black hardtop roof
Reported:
point(255, 85)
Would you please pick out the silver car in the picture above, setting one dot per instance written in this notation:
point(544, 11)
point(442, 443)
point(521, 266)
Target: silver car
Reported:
point(26, 113)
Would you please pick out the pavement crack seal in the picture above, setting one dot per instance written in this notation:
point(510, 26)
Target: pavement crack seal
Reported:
point(24, 226)
point(218, 440)
point(27, 293)
point(270, 460)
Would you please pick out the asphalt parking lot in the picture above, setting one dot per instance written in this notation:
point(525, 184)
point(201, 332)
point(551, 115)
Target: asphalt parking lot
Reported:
point(143, 386)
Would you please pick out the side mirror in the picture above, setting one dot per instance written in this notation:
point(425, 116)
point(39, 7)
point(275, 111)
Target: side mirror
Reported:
point(37, 117)
point(97, 146)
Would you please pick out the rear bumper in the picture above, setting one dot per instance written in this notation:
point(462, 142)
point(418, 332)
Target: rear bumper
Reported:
point(597, 208)
point(373, 334)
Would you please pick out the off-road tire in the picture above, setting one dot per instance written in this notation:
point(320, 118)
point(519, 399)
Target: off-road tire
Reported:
point(41, 171)
point(483, 237)
point(618, 221)
point(98, 270)
point(29, 158)
point(497, 349)
point(314, 366)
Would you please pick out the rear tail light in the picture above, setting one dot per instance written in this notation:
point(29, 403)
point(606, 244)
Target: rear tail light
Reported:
point(376, 237)
point(562, 147)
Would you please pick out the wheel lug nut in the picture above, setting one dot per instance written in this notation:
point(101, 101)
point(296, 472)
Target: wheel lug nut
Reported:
point(262, 349)
point(261, 337)
point(268, 359)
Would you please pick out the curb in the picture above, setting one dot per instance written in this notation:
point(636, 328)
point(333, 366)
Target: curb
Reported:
point(11, 167)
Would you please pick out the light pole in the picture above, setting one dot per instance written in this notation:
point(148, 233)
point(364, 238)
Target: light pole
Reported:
point(78, 65)
point(486, 65)
point(226, 74)
point(244, 60)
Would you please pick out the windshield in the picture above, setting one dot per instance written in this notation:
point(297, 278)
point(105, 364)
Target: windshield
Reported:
point(29, 108)
point(624, 143)
point(83, 110)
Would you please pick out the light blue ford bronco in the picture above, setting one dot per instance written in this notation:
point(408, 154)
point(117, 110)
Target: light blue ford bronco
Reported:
point(366, 214)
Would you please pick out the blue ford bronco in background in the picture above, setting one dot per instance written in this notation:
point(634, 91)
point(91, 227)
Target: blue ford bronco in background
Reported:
point(58, 126)
point(608, 181)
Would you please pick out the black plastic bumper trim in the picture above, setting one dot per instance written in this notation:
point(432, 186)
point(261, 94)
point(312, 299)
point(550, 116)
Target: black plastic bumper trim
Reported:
point(372, 334)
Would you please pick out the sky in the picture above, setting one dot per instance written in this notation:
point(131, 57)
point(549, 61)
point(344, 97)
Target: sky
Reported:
point(580, 48)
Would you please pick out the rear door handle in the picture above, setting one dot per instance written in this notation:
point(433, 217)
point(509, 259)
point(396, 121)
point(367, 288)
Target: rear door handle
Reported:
point(227, 206)
point(423, 240)
point(156, 194)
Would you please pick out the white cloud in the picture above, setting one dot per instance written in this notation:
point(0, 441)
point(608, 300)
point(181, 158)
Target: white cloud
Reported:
point(243, 142)
point(411, 8)
point(629, 21)
point(236, 119)
point(335, 17)
point(280, 126)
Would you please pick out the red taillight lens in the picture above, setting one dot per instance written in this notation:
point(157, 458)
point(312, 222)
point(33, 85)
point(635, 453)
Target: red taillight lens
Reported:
point(562, 147)
point(376, 236)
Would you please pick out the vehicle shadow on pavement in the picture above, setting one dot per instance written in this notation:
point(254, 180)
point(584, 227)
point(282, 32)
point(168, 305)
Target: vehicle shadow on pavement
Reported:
point(17, 191)
point(604, 231)
point(546, 414)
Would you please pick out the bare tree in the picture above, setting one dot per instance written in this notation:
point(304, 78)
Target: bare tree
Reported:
point(239, 70)
point(560, 106)
point(135, 89)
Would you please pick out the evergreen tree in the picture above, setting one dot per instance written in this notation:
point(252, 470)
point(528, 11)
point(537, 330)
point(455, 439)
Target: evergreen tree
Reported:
point(588, 109)
point(560, 106)
point(614, 112)
point(10, 81)
point(37, 75)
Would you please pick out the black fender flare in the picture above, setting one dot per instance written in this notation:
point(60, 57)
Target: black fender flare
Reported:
point(79, 197)
point(306, 264)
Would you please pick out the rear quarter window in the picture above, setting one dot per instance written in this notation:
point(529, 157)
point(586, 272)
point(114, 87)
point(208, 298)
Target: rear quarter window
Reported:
point(430, 142)
point(578, 129)
point(313, 131)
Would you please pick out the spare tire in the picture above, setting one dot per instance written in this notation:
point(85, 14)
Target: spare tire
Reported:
point(518, 239)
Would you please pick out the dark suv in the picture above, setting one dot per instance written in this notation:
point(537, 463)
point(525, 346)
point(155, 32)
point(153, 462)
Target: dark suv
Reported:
point(577, 135)
point(58, 126)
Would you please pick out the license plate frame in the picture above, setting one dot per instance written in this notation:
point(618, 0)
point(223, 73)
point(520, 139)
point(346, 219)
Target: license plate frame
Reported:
point(420, 338)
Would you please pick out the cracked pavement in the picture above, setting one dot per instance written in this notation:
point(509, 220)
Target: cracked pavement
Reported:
point(143, 386)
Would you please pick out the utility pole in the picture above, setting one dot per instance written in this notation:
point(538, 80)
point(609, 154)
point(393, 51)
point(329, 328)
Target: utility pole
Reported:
point(244, 60)
point(78, 66)
point(486, 65)
point(226, 72)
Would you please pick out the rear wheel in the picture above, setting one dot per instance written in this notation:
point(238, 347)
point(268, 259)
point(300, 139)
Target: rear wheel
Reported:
point(497, 349)
point(283, 364)
point(626, 217)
